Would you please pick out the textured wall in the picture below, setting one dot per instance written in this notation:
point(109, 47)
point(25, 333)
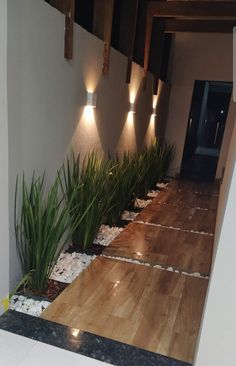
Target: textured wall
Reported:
point(47, 97)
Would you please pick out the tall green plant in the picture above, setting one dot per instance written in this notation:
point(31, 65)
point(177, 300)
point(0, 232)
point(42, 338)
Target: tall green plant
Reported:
point(42, 229)
point(91, 197)
point(121, 187)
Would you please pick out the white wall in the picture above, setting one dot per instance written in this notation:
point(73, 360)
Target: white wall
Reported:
point(218, 333)
point(47, 96)
point(195, 57)
point(4, 234)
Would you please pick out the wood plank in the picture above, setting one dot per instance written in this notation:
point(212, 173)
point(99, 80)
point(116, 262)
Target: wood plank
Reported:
point(69, 29)
point(209, 189)
point(103, 16)
point(134, 304)
point(186, 252)
point(128, 23)
point(66, 7)
point(199, 26)
point(148, 38)
point(193, 9)
point(182, 218)
point(187, 198)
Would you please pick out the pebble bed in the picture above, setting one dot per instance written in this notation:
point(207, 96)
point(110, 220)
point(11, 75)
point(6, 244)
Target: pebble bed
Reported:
point(28, 305)
point(107, 234)
point(153, 194)
point(129, 215)
point(138, 203)
point(161, 185)
point(70, 265)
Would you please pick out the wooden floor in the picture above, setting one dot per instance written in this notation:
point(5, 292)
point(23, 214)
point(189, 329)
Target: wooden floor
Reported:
point(185, 218)
point(184, 251)
point(157, 310)
point(151, 308)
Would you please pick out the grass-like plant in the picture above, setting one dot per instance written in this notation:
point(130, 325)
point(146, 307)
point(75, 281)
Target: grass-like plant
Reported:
point(91, 197)
point(42, 228)
point(122, 185)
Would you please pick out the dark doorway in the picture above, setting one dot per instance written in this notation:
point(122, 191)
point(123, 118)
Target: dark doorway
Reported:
point(207, 119)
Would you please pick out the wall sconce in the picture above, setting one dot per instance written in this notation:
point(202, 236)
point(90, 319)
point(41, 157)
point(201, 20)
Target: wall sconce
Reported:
point(132, 107)
point(91, 100)
point(154, 112)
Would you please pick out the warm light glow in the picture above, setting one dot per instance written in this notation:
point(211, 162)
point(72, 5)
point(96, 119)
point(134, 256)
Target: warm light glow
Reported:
point(116, 284)
point(132, 97)
point(89, 114)
point(130, 118)
point(154, 102)
point(75, 332)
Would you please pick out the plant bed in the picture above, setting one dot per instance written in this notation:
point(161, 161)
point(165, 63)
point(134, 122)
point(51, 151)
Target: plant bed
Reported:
point(70, 265)
point(153, 194)
point(141, 204)
point(30, 305)
point(129, 215)
point(107, 234)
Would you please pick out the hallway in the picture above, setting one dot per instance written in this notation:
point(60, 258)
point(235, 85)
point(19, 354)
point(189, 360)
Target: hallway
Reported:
point(148, 287)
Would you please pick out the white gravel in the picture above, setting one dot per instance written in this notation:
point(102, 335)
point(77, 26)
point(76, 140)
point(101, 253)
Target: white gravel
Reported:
point(141, 203)
point(153, 194)
point(162, 185)
point(70, 265)
point(129, 215)
point(107, 234)
point(158, 266)
point(27, 305)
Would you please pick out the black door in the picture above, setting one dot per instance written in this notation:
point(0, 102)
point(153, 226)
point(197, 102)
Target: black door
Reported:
point(207, 119)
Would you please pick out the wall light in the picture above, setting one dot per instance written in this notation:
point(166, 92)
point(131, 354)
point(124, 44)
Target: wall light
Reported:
point(132, 107)
point(154, 112)
point(91, 100)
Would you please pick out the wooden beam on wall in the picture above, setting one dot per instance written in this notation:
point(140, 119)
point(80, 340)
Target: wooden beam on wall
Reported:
point(102, 27)
point(157, 51)
point(148, 38)
point(199, 26)
point(69, 29)
point(128, 23)
point(193, 9)
point(66, 7)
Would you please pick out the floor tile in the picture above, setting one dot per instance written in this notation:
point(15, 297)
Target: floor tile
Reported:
point(181, 250)
point(43, 354)
point(14, 348)
point(134, 304)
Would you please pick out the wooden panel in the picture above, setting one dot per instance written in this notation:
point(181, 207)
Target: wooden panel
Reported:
point(183, 251)
point(69, 29)
point(148, 38)
point(193, 9)
point(199, 26)
point(103, 15)
point(178, 217)
point(209, 189)
point(134, 304)
point(128, 22)
point(66, 7)
point(187, 198)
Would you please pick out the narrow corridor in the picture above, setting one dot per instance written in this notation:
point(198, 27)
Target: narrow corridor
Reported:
point(149, 286)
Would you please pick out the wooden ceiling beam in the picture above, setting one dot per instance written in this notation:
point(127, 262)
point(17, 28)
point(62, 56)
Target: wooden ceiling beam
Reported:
point(193, 9)
point(199, 26)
